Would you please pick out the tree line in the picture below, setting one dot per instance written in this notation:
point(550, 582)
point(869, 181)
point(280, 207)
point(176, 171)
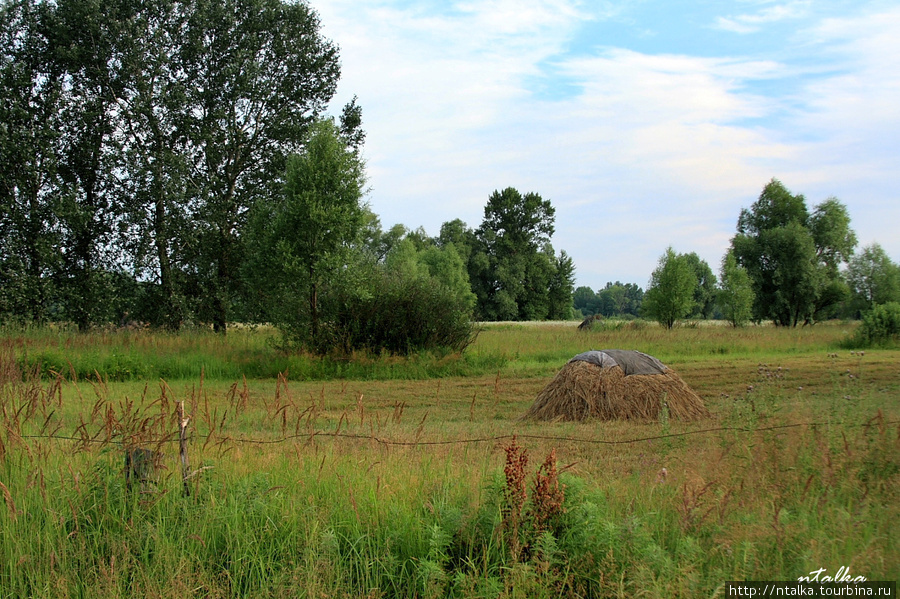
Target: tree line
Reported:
point(785, 264)
point(171, 162)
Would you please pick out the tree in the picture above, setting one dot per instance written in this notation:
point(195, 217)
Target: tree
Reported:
point(260, 73)
point(302, 241)
point(613, 299)
point(620, 299)
point(30, 104)
point(586, 301)
point(705, 292)
point(512, 265)
point(88, 44)
point(735, 296)
point(670, 294)
point(792, 257)
point(874, 278)
point(457, 233)
point(559, 293)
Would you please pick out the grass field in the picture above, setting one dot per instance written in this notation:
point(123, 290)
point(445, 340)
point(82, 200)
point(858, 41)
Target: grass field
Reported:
point(389, 477)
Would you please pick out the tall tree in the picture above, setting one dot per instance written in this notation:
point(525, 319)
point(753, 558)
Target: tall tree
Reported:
point(705, 292)
point(562, 282)
point(31, 95)
point(260, 72)
point(297, 244)
point(511, 265)
point(586, 301)
point(670, 294)
point(874, 277)
point(87, 40)
point(792, 257)
point(735, 296)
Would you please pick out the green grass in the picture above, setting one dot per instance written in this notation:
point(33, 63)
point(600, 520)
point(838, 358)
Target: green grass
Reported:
point(253, 353)
point(392, 484)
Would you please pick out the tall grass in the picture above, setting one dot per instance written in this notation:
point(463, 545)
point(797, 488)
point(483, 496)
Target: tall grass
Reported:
point(126, 355)
point(312, 489)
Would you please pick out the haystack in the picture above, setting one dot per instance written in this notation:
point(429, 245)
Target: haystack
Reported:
point(615, 384)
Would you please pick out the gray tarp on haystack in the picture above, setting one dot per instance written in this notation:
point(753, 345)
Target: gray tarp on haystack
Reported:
point(630, 361)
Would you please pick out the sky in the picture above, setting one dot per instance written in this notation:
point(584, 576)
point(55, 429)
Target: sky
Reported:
point(646, 124)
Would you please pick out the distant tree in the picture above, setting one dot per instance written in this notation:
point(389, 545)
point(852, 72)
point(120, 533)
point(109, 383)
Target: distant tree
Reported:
point(613, 299)
point(559, 293)
point(512, 266)
point(620, 299)
point(634, 297)
point(735, 296)
point(586, 301)
point(705, 292)
point(670, 294)
point(460, 235)
point(873, 277)
point(792, 257)
point(442, 264)
point(300, 242)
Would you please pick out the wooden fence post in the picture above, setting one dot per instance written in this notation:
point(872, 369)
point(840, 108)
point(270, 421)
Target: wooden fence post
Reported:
point(182, 443)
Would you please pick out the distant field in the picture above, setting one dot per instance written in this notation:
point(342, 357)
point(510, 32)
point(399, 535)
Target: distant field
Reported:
point(389, 481)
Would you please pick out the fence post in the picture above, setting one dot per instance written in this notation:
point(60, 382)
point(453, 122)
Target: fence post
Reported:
point(182, 443)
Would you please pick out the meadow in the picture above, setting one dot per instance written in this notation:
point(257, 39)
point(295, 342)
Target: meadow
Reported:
point(379, 476)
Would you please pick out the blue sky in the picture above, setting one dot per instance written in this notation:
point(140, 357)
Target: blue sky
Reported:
point(646, 124)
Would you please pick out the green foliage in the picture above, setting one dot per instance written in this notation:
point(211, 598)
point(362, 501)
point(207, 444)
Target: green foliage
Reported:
point(880, 326)
point(873, 277)
point(398, 310)
point(670, 294)
point(705, 291)
point(514, 271)
point(298, 244)
point(792, 257)
point(140, 135)
point(586, 301)
point(30, 183)
point(617, 299)
point(735, 295)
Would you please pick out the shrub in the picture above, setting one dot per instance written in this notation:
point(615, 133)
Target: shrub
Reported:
point(880, 325)
point(392, 312)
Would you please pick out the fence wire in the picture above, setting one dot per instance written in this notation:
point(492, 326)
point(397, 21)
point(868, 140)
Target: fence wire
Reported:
point(486, 439)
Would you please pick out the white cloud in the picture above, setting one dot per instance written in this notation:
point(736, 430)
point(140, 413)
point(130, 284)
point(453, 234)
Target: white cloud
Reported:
point(650, 150)
point(751, 23)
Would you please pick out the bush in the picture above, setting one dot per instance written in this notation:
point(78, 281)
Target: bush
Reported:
point(880, 325)
point(373, 308)
point(400, 315)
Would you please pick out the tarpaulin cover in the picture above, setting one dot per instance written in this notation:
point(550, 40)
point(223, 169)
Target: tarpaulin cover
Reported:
point(630, 361)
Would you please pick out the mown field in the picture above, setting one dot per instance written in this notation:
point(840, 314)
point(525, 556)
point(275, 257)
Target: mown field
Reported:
point(389, 477)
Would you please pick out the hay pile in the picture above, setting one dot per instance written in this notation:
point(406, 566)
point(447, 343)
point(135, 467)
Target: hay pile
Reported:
point(583, 390)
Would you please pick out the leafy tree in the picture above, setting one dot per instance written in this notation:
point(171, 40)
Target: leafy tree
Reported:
point(301, 242)
point(30, 104)
point(586, 301)
point(446, 266)
point(613, 299)
point(670, 294)
point(874, 278)
point(559, 292)
point(618, 299)
point(793, 256)
point(512, 265)
point(880, 326)
point(462, 238)
point(705, 292)
point(87, 44)
point(735, 296)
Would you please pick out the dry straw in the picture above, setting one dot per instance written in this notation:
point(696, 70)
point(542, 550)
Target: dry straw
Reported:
point(582, 391)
